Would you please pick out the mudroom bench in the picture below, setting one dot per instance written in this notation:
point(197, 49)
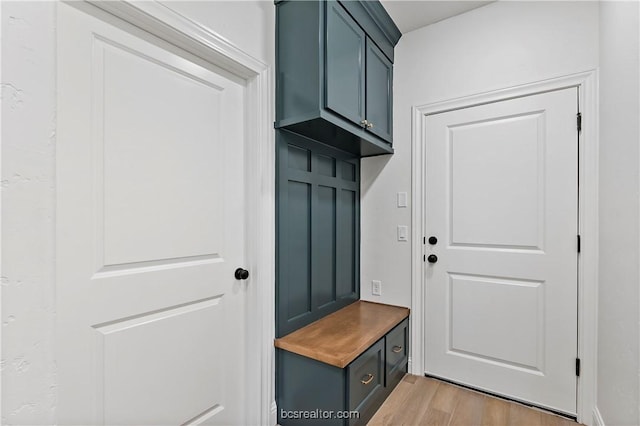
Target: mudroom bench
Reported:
point(348, 361)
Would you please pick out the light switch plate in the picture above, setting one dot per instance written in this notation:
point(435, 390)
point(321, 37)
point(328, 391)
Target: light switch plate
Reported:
point(403, 233)
point(402, 199)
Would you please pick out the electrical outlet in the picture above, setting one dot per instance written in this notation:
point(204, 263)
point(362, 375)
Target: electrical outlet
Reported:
point(376, 288)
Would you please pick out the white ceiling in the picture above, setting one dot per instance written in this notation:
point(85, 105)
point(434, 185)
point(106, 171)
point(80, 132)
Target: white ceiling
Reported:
point(410, 15)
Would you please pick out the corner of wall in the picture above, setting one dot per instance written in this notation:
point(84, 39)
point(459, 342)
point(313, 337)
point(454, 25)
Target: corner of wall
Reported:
point(597, 417)
point(618, 390)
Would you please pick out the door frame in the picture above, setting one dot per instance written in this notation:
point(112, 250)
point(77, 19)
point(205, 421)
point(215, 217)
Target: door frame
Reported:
point(586, 82)
point(163, 22)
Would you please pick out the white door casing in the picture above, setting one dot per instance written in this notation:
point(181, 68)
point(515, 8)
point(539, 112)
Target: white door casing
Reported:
point(150, 223)
point(501, 301)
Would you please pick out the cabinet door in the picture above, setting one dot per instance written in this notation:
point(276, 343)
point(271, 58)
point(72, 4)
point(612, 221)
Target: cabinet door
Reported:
point(379, 93)
point(344, 59)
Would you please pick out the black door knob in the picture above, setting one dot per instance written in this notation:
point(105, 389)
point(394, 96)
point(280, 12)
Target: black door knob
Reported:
point(433, 240)
point(241, 274)
point(432, 258)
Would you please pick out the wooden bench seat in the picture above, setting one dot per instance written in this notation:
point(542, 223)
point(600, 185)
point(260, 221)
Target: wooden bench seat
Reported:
point(342, 336)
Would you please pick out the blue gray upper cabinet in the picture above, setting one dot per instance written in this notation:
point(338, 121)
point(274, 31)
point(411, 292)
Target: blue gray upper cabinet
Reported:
point(334, 66)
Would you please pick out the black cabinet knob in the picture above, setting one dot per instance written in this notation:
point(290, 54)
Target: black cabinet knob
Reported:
point(241, 274)
point(432, 258)
point(433, 240)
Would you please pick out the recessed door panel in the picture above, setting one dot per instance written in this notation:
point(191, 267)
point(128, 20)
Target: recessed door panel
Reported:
point(162, 156)
point(480, 332)
point(139, 357)
point(494, 202)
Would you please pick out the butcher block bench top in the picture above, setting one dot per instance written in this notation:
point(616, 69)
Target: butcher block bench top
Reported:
point(342, 336)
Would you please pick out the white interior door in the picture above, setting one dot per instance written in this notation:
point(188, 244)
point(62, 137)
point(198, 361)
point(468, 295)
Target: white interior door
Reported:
point(501, 299)
point(150, 229)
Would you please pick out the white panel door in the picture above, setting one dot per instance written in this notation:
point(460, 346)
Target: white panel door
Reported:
point(501, 299)
point(151, 321)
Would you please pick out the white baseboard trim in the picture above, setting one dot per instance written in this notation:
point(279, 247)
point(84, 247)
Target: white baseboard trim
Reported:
point(273, 420)
point(597, 417)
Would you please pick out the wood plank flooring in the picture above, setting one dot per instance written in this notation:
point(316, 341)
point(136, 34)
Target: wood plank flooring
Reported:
point(424, 401)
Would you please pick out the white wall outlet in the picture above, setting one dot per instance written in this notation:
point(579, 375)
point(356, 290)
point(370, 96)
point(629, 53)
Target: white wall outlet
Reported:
point(403, 233)
point(402, 199)
point(376, 288)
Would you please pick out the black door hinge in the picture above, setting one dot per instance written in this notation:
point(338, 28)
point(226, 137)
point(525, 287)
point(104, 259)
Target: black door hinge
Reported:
point(424, 257)
point(579, 121)
point(579, 243)
point(424, 240)
point(578, 367)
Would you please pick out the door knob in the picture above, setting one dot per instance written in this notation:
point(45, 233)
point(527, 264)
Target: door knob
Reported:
point(241, 274)
point(433, 240)
point(432, 258)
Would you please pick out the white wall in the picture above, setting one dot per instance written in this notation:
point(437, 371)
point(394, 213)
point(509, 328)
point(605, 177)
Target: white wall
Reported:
point(618, 397)
point(496, 46)
point(28, 197)
point(250, 25)
point(28, 186)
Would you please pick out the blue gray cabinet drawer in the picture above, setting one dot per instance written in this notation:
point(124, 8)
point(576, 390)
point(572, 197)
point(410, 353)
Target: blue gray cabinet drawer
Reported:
point(397, 344)
point(366, 377)
point(397, 352)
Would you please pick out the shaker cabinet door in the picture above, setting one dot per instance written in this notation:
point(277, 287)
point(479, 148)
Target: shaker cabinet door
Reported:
point(345, 61)
point(379, 93)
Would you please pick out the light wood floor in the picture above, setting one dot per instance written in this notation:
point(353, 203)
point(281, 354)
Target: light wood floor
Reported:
point(423, 401)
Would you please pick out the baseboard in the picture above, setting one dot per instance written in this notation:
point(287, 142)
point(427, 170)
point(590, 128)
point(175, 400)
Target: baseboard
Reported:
point(597, 417)
point(273, 416)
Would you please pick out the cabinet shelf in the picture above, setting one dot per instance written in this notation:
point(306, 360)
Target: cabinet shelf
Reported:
point(325, 127)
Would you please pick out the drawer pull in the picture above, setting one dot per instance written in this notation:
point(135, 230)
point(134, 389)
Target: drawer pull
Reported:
point(397, 349)
point(369, 378)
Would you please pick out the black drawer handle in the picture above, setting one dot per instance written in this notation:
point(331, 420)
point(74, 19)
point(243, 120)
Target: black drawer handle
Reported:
point(396, 349)
point(369, 378)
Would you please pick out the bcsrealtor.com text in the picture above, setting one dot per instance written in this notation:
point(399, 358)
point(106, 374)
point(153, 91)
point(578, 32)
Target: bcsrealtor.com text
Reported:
point(318, 414)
